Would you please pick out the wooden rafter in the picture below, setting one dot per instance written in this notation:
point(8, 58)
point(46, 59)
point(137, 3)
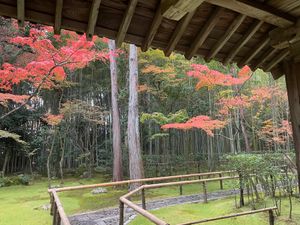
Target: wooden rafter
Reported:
point(266, 56)
point(21, 12)
point(126, 22)
point(177, 9)
point(277, 59)
point(251, 31)
point(204, 32)
point(58, 16)
point(257, 10)
point(222, 41)
point(253, 52)
point(179, 31)
point(153, 29)
point(94, 11)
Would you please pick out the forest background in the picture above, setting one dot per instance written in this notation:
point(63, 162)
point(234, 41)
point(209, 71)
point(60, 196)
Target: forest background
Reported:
point(57, 112)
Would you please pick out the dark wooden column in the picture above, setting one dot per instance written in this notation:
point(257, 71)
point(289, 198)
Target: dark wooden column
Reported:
point(292, 75)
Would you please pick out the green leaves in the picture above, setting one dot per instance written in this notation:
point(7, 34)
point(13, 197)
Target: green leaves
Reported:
point(161, 119)
point(15, 137)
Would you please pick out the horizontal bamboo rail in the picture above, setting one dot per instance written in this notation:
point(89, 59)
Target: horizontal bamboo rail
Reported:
point(270, 210)
point(117, 183)
point(142, 210)
point(177, 183)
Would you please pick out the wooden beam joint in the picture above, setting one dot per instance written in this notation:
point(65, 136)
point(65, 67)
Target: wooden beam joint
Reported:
point(177, 9)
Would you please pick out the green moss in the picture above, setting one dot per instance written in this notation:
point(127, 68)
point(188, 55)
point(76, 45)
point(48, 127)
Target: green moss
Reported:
point(197, 211)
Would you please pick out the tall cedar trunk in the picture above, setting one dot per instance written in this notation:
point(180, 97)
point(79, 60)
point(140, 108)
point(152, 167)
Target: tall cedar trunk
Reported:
point(136, 169)
point(248, 149)
point(117, 152)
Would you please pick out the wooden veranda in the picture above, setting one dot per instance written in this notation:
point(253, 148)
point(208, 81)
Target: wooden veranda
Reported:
point(260, 33)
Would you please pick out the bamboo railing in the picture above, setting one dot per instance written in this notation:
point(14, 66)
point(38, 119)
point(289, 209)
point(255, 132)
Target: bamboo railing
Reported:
point(60, 217)
point(142, 210)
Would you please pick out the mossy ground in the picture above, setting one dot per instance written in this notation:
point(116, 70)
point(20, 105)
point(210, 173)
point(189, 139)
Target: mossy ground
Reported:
point(20, 205)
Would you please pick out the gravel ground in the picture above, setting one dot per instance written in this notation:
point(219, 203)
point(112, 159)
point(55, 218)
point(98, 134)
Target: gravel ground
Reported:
point(111, 216)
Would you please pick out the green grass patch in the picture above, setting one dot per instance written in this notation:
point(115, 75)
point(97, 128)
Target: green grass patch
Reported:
point(197, 211)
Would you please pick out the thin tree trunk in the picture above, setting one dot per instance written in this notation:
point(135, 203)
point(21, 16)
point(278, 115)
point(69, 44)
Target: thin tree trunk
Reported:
point(135, 157)
point(117, 152)
point(5, 162)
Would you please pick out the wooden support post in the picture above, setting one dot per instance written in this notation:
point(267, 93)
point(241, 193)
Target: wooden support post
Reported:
point(52, 204)
point(54, 214)
point(293, 88)
point(93, 17)
point(271, 217)
point(21, 12)
point(204, 192)
point(143, 199)
point(57, 218)
point(242, 202)
point(121, 213)
point(58, 16)
point(180, 188)
point(221, 182)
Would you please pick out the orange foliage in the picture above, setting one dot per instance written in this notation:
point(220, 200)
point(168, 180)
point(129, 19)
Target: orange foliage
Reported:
point(201, 122)
point(5, 97)
point(53, 120)
point(210, 78)
point(156, 70)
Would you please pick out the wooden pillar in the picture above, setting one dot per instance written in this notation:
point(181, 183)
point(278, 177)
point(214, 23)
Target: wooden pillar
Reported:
point(143, 199)
point(121, 208)
point(221, 181)
point(180, 188)
point(292, 76)
point(271, 217)
point(204, 192)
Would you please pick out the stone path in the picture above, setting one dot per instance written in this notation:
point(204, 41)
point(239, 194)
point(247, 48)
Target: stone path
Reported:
point(110, 216)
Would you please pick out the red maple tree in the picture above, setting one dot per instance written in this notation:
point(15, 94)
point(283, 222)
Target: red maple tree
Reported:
point(48, 62)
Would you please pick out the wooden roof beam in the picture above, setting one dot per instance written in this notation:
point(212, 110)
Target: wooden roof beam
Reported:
point(153, 29)
point(204, 32)
point(222, 41)
point(251, 31)
point(93, 17)
point(277, 59)
point(257, 10)
point(284, 37)
point(21, 12)
point(177, 9)
point(179, 31)
point(126, 22)
point(266, 56)
point(58, 16)
point(253, 52)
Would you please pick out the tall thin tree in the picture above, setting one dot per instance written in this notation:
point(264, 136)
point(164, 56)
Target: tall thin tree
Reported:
point(136, 169)
point(117, 151)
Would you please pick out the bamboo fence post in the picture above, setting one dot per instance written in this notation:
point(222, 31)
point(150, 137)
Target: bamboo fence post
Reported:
point(121, 208)
point(221, 181)
point(271, 217)
point(180, 188)
point(204, 192)
point(54, 214)
point(52, 204)
point(143, 199)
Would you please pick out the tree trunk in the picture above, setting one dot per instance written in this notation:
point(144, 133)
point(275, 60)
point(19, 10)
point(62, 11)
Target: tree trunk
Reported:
point(135, 157)
point(5, 162)
point(117, 152)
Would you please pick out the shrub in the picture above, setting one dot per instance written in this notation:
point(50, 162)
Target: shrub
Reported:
point(5, 181)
